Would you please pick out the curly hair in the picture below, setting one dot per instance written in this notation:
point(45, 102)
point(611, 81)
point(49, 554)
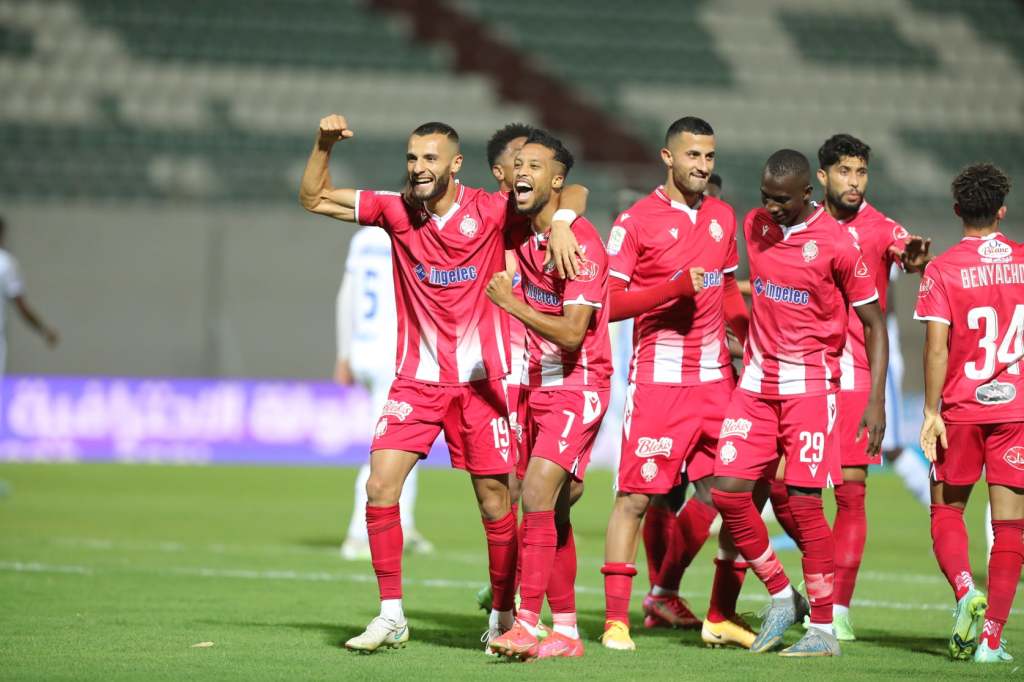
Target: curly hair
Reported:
point(979, 191)
point(840, 145)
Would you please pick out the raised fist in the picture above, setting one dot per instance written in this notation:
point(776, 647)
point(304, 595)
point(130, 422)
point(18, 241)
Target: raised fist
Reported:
point(334, 128)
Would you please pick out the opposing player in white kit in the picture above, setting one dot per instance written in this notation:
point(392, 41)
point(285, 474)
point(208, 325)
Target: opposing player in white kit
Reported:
point(366, 322)
point(13, 289)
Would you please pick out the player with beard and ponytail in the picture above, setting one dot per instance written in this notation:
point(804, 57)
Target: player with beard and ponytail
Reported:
point(672, 256)
point(843, 173)
point(564, 395)
point(452, 355)
point(805, 269)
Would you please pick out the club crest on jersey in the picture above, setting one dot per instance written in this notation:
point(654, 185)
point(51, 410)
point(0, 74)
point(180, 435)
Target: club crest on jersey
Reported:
point(653, 447)
point(810, 251)
point(862, 269)
point(468, 226)
point(716, 231)
point(615, 239)
point(674, 231)
point(649, 470)
point(591, 406)
point(1015, 457)
point(735, 427)
point(396, 408)
point(994, 251)
point(995, 392)
point(727, 453)
point(382, 427)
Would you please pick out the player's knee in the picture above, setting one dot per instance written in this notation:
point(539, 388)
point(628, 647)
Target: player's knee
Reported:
point(381, 492)
point(575, 491)
point(702, 491)
point(633, 504)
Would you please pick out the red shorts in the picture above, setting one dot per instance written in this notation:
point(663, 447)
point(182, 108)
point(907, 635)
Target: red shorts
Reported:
point(999, 448)
point(756, 431)
point(474, 417)
point(667, 430)
point(514, 393)
point(561, 425)
point(853, 452)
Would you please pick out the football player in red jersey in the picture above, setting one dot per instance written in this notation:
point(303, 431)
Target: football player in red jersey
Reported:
point(453, 352)
point(972, 299)
point(805, 270)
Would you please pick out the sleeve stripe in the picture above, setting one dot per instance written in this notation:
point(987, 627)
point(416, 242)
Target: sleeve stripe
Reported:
point(932, 318)
point(579, 300)
point(871, 299)
point(734, 268)
point(358, 192)
point(613, 273)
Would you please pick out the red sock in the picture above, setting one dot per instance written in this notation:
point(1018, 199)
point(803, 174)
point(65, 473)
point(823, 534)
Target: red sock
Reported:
point(502, 551)
point(694, 523)
point(562, 583)
point(949, 542)
point(657, 538)
point(618, 584)
point(819, 554)
point(539, 541)
point(751, 537)
point(1004, 567)
point(850, 530)
point(519, 546)
point(384, 528)
point(725, 590)
point(780, 507)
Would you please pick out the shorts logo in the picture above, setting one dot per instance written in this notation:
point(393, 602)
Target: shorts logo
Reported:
point(504, 453)
point(993, 251)
point(468, 226)
point(926, 286)
point(382, 427)
point(591, 406)
point(654, 447)
point(615, 239)
point(396, 408)
point(649, 470)
point(810, 251)
point(562, 445)
point(862, 269)
point(517, 428)
point(727, 453)
point(715, 230)
point(1015, 457)
point(995, 392)
point(674, 231)
point(735, 427)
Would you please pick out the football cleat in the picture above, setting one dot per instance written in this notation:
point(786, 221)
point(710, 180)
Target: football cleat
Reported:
point(558, 645)
point(967, 620)
point(616, 636)
point(517, 643)
point(983, 654)
point(484, 597)
point(414, 543)
point(355, 549)
point(727, 633)
point(843, 627)
point(669, 612)
point(815, 643)
point(781, 614)
point(380, 633)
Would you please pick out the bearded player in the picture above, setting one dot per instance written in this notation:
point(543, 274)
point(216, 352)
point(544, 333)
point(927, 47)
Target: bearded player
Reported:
point(672, 257)
point(843, 173)
point(452, 355)
point(972, 300)
point(564, 396)
point(805, 271)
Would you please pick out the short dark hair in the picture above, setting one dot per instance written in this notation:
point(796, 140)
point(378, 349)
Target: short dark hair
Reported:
point(499, 140)
point(840, 145)
point(546, 139)
point(979, 191)
point(437, 128)
point(689, 124)
point(787, 162)
point(716, 180)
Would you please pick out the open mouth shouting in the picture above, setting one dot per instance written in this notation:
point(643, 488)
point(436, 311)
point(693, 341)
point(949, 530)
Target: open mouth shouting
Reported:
point(524, 192)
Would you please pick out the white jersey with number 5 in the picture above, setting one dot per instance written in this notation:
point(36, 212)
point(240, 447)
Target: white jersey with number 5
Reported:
point(368, 308)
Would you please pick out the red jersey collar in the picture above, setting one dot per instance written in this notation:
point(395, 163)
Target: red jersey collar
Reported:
point(678, 205)
point(799, 227)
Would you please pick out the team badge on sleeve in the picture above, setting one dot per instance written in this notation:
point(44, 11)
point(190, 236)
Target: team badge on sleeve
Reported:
point(810, 251)
point(615, 239)
point(926, 285)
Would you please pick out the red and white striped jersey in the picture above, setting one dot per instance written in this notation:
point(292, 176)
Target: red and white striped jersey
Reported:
point(977, 288)
point(875, 234)
point(449, 332)
point(802, 279)
point(549, 366)
point(654, 241)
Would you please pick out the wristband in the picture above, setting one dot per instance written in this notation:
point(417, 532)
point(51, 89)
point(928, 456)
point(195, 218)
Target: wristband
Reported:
point(564, 215)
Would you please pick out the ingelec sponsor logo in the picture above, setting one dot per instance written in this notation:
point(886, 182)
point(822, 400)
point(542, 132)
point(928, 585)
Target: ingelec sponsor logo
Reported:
point(654, 447)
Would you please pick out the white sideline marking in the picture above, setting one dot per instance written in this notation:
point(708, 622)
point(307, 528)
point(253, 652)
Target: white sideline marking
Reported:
point(364, 578)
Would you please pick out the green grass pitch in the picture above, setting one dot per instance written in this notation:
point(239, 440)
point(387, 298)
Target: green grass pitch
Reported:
point(114, 572)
